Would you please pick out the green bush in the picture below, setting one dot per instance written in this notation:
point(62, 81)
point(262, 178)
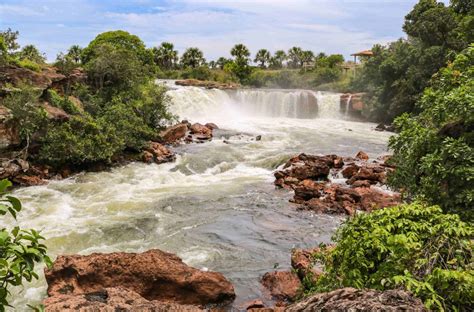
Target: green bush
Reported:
point(434, 152)
point(411, 246)
point(58, 101)
point(26, 63)
point(20, 250)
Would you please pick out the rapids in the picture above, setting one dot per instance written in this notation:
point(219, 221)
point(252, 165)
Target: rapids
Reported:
point(216, 206)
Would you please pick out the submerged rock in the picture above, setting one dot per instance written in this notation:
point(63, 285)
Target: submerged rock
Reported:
point(112, 299)
point(154, 275)
point(351, 299)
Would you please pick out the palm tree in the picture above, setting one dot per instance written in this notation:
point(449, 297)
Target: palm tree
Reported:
point(262, 57)
point(221, 61)
point(278, 59)
point(307, 56)
point(165, 55)
point(295, 56)
point(192, 57)
point(30, 52)
point(241, 54)
point(74, 53)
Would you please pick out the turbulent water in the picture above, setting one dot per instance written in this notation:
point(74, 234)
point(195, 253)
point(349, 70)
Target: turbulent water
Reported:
point(216, 206)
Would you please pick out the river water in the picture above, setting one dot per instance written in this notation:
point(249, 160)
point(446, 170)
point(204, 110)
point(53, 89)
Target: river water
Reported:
point(216, 206)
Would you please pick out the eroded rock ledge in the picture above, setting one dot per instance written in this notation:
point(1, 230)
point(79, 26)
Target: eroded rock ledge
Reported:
point(357, 184)
point(151, 279)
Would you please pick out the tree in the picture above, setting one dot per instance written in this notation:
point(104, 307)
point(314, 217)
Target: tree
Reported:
point(295, 57)
point(114, 68)
point(20, 249)
point(74, 53)
point(165, 56)
point(192, 57)
point(306, 57)
point(278, 58)
point(415, 247)
point(241, 54)
point(30, 118)
point(262, 57)
point(434, 152)
point(31, 53)
point(10, 39)
point(221, 61)
point(120, 40)
point(3, 51)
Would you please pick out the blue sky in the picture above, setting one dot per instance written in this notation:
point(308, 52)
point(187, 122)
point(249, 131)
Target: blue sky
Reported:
point(331, 26)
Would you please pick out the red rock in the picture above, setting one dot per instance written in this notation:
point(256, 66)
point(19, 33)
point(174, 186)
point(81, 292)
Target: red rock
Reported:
point(154, 275)
point(361, 183)
point(372, 198)
point(362, 156)
point(338, 162)
point(26, 180)
point(349, 171)
point(147, 157)
point(202, 131)
point(302, 263)
point(255, 304)
point(112, 299)
point(283, 285)
point(160, 153)
point(174, 133)
point(55, 113)
point(351, 299)
point(211, 126)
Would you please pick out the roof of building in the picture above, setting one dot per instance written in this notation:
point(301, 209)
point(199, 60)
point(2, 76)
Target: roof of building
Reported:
point(364, 53)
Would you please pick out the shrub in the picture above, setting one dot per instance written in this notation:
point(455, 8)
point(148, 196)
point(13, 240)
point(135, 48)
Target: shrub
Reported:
point(20, 250)
point(26, 63)
point(434, 152)
point(58, 101)
point(411, 246)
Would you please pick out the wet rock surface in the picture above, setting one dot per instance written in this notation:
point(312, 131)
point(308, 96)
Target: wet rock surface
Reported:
point(154, 275)
point(282, 285)
point(309, 177)
point(351, 299)
point(206, 84)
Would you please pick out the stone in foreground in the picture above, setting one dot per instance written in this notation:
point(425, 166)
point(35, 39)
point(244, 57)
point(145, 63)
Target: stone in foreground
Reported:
point(112, 299)
point(154, 275)
point(351, 299)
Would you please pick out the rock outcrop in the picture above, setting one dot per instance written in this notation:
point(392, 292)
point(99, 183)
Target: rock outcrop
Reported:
point(282, 285)
point(207, 84)
point(9, 134)
point(174, 133)
point(157, 153)
point(309, 177)
point(112, 299)
point(352, 103)
point(351, 299)
point(154, 275)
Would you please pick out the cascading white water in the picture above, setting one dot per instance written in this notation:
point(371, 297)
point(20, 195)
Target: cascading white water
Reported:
point(194, 103)
point(348, 103)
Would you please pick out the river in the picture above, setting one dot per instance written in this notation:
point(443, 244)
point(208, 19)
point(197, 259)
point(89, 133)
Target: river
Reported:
point(216, 206)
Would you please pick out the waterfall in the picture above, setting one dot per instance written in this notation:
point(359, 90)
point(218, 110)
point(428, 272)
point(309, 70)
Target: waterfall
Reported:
point(200, 104)
point(348, 103)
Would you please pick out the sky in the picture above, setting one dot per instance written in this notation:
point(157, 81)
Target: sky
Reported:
point(214, 26)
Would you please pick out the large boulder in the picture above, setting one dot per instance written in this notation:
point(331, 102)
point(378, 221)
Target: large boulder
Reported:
point(154, 275)
point(282, 285)
point(201, 132)
point(55, 113)
point(174, 133)
point(351, 299)
point(112, 299)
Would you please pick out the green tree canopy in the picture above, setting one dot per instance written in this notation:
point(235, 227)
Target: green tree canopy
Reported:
point(192, 57)
point(434, 152)
point(262, 57)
